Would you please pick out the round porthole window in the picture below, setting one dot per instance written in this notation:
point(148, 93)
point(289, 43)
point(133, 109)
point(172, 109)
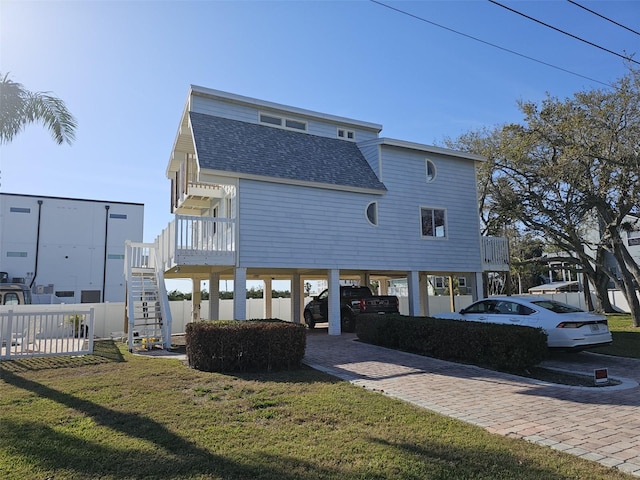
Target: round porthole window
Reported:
point(372, 213)
point(431, 171)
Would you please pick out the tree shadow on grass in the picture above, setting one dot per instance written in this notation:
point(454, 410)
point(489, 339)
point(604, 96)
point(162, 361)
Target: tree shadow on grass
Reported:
point(302, 374)
point(444, 461)
point(624, 343)
point(157, 451)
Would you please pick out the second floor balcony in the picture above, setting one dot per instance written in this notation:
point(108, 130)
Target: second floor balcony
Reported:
point(495, 254)
point(191, 240)
point(196, 197)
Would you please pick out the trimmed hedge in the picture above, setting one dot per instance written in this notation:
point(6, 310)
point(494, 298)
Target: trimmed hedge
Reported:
point(245, 345)
point(511, 348)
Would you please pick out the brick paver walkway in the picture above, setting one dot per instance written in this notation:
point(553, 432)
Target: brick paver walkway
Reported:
point(599, 424)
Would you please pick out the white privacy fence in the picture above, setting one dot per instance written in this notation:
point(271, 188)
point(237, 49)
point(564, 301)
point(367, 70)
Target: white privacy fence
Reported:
point(576, 299)
point(108, 319)
point(26, 331)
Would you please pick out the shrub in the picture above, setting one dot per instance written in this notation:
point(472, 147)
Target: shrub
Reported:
point(512, 348)
point(247, 345)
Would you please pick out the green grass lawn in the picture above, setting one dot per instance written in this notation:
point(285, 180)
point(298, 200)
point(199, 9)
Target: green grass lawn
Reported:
point(626, 337)
point(113, 415)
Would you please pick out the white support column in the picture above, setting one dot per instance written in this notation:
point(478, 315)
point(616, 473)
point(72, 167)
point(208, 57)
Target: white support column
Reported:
point(268, 300)
point(478, 287)
point(384, 286)
point(195, 300)
point(333, 304)
point(214, 296)
point(413, 285)
point(297, 296)
point(452, 298)
point(423, 286)
point(240, 293)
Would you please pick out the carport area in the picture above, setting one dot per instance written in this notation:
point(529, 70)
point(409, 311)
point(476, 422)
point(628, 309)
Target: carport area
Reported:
point(416, 288)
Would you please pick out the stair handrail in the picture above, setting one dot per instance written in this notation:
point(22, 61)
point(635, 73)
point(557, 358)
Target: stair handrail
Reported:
point(128, 260)
point(165, 309)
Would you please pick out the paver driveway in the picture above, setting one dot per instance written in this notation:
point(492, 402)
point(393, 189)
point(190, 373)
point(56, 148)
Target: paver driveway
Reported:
point(600, 424)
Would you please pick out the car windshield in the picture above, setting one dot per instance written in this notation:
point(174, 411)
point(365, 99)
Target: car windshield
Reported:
point(556, 307)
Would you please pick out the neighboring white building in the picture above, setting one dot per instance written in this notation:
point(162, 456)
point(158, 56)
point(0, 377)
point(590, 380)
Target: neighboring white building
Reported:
point(631, 238)
point(72, 249)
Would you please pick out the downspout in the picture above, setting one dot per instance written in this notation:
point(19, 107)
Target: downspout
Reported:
point(106, 236)
point(35, 267)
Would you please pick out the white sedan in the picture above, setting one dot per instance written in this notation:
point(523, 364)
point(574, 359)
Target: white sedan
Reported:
point(566, 326)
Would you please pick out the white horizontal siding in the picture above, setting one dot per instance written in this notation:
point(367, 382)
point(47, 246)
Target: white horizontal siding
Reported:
point(327, 129)
point(249, 114)
point(304, 227)
point(372, 154)
point(454, 189)
point(219, 108)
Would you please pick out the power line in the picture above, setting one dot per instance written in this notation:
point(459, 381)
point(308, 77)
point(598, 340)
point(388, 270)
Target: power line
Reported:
point(489, 43)
point(603, 17)
point(629, 59)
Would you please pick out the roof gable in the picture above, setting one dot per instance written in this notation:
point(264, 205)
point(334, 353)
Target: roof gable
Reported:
point(249, 149)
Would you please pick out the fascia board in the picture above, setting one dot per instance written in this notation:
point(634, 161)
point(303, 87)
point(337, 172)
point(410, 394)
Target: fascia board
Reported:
point(286, 181)
point(183, 120)
point(423, 148)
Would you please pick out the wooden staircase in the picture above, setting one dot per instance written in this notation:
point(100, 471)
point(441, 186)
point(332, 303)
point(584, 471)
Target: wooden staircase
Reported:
point(147, 308)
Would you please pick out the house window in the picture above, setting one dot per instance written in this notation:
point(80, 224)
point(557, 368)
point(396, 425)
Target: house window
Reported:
point(462, 281)
point(633, 238)
point(283, 122)
point(439, 282)
point(295, 124)
point(433, 222)
point(347, 134)
point(121, 216)
point(16, 254)
point(19, 210)
point(431, 171)
point(372, 213)
point(270, 120)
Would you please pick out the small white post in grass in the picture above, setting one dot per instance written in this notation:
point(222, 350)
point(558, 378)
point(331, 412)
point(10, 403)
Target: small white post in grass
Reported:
point(601, 376)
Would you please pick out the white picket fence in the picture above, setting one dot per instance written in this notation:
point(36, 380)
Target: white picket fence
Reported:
point(29, 332)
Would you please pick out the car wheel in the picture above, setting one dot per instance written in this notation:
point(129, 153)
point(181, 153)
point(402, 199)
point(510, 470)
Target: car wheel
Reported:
point(308, 319)
point(348, 323)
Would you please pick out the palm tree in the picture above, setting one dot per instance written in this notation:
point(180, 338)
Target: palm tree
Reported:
point(19, 107)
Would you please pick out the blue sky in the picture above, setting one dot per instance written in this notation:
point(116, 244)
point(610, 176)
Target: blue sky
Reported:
point(124, 69)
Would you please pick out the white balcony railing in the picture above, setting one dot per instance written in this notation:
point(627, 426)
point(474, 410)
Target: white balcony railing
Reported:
point(495, 254)
point(192, 240)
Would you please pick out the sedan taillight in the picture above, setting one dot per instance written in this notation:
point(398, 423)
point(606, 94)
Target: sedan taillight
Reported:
point(579, 324)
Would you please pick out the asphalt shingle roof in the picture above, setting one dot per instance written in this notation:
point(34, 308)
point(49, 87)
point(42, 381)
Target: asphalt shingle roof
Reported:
point(247, 148)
